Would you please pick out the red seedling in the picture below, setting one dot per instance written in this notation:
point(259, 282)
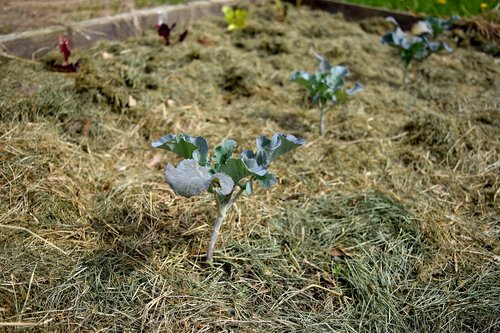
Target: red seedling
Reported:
point(65, 49)
point(164, 31)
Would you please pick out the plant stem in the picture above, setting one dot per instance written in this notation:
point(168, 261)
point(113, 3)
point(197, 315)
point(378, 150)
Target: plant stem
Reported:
point(215, 232)
point(321, 119)
point(405, 74)
point(222, 208)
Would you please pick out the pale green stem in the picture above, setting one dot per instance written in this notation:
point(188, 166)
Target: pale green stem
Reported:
point(221, 213)
point(405, 74)
point(321, 119)
point(222, 209)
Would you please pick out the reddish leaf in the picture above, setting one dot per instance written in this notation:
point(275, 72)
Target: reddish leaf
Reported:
point(164, 31)
point(183, 36)
point(64, 47)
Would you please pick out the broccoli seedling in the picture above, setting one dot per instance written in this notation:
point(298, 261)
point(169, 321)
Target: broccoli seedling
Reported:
point(224, 177)
point(235, 18)
point(414, 47)
point(327, 84)
point(65, 50)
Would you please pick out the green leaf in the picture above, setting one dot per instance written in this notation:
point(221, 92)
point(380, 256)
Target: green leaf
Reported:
point(324, 64)
point(236, 169)
point(303, 78)
point(267, 180)
point(278, 145)
point(222, 184)
point(188, 178)
point(184, 146)
point(223, 152)
point(235, 18)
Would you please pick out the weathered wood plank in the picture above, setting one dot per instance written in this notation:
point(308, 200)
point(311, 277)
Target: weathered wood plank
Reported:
point(358, 12)
point(34, 44)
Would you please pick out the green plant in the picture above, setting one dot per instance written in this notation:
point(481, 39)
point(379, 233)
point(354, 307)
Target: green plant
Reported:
point(235, 18)
point(280, 10)
point(327, 84)
point(415, 47)
point(220, 174)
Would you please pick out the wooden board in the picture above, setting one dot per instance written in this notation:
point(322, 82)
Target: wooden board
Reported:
point(34, 44)
point(358, 12)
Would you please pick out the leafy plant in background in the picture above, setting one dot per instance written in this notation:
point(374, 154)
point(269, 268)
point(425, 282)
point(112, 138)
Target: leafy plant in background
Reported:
point(415, 47)
point(438, 25)
point(327, 84)
point(235, 18)
point(65, 50)
point(220, 174)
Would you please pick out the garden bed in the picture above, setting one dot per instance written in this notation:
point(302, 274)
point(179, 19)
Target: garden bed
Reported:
point(388, 222)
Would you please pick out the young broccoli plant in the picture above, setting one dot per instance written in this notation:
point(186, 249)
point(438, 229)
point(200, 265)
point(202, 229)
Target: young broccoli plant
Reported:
point(226, 178)
point(327, 84)
point(415, 47)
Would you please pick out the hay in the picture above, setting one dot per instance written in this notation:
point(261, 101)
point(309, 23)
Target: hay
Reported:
point(387, 223)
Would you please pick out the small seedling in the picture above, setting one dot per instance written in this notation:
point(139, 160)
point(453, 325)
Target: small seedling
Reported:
point(327, 84)
point(224, 177)
point(65, 49)
point(235, 18)
point(280, 11)
point(415, 47)
point(164, 30)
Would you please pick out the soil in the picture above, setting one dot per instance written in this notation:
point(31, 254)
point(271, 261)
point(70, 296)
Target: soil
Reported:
point(392, 213)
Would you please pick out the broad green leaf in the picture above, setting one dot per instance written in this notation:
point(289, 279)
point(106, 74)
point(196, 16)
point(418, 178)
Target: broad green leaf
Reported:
point(358, 87)
point(188, 178)
point(223, 152)
point(185, 146)
point(238, 169)
point(304, 78)
point(201, 155)
point(256, 164)
point(222, 183)
point(278, 145)
point(324, 65)
point(267, 180)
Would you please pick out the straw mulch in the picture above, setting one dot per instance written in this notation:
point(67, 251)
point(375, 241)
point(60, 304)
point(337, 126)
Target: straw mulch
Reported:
point(389, 222)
